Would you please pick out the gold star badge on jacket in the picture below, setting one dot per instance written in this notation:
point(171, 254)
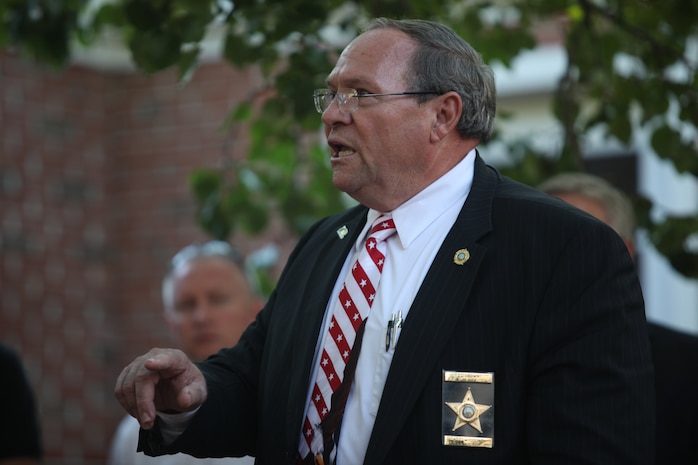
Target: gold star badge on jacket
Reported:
point(468, 409)
point(468, 412)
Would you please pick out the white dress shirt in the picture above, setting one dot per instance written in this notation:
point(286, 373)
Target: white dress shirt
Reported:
point(422, 224)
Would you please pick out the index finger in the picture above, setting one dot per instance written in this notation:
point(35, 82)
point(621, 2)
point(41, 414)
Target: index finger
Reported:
point(135, 391)
point(145, 397)
point(124, 392)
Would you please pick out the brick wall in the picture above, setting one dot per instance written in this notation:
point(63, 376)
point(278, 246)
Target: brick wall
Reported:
point(93, 201)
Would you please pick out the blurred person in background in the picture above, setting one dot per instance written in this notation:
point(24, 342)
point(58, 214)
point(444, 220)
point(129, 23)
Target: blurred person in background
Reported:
point(674, 353)
point(208, 302)
point(20, 434)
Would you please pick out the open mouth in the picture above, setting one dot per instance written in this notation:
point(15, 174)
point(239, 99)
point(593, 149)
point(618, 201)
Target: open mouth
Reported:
point(339, 150)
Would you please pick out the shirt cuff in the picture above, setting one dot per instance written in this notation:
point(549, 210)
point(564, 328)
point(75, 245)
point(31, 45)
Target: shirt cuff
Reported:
point(172, 425)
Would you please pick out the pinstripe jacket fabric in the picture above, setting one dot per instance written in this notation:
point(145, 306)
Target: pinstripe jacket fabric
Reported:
point(548, 303)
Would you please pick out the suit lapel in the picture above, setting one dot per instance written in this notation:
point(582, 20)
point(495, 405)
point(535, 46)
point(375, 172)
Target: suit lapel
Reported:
point(434, 312)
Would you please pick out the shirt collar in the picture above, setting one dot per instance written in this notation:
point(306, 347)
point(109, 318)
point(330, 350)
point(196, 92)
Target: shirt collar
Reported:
point(416, 214)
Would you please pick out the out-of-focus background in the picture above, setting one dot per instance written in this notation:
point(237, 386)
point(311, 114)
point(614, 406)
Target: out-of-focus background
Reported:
point(95, 199)
point(112, 158)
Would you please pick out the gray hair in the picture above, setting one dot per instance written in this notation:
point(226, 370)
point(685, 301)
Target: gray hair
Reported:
point(198, 251)
point(445, 62)
point(621, 216)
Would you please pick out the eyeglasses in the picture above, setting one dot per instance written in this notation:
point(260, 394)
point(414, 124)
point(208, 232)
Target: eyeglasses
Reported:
point(348, 99)
point(206, 249)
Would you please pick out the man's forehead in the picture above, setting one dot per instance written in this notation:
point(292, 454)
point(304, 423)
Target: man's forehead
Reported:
point(378, 53)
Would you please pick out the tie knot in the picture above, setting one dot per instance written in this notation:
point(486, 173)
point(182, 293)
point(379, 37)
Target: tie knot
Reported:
point(382, 228)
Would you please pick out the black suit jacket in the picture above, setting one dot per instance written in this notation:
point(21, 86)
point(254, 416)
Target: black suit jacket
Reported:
point(675, 356)
point(548, 301)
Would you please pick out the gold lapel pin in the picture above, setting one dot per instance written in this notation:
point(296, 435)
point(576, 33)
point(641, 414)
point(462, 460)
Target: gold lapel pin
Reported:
point(461, 256)
point(343, 231)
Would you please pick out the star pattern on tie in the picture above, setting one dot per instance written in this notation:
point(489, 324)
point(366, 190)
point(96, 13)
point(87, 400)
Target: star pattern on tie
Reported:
point(355, 300)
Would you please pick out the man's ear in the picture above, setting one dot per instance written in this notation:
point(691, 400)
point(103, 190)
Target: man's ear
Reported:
point(448, 111)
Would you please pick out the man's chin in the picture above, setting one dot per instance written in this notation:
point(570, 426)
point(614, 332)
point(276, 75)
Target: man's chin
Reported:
point(202, 351)
point(344, 182)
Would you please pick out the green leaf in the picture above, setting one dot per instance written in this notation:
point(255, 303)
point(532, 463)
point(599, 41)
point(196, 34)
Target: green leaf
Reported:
point(214, 219)
point(239, 51)
point(147, 15)
point(205, 183)
point(242, 112)
point(620, 126)
point(110, 14)
point(152, 51)
point(667, 143)
point(671, 238)
point(187, 63)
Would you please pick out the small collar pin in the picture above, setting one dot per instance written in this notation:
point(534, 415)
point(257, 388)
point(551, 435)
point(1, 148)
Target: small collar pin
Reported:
point(461, 256)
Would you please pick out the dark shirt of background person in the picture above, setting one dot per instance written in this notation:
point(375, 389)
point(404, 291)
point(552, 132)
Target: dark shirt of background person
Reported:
point(20, 435)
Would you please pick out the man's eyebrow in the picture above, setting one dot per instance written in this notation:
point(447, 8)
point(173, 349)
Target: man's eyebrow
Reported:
point(352, 83)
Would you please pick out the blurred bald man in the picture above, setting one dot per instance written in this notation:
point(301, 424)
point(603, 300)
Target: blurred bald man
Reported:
point(208, 304)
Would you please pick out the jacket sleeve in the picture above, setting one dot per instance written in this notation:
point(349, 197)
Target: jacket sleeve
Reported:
point(591, 376)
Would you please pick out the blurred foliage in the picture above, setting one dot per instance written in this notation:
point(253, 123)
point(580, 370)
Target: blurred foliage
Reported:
point(631, 66)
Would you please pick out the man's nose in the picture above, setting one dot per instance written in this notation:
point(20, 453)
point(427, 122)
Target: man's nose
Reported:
point(202, 311)
point(336, 113)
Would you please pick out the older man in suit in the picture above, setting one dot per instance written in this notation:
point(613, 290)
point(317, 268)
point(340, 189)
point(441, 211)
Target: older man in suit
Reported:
point(506, 328)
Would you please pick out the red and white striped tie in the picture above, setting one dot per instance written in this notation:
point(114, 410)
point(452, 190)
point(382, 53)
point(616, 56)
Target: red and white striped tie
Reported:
point(353, 306)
